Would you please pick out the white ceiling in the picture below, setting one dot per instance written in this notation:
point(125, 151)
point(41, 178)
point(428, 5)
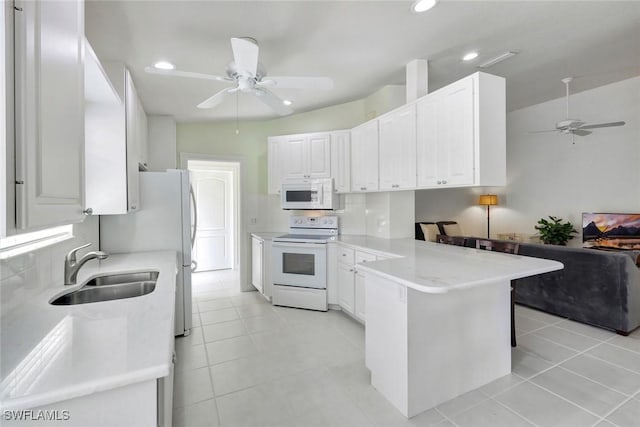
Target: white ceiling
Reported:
point(364, 45)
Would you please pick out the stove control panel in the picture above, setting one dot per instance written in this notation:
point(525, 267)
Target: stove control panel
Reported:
point(300, 221)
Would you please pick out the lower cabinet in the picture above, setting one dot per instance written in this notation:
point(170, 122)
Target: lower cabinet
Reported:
point(261, 265)
point(346, 287)
point(351, 281)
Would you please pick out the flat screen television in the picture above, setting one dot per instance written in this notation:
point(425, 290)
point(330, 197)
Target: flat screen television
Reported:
point(611, 231)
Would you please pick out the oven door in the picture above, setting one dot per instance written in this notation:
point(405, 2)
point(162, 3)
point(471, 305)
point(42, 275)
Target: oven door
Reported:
point(300, 264)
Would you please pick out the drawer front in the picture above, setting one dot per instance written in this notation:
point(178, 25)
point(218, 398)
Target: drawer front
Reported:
point(364, 257)
point(345, 255)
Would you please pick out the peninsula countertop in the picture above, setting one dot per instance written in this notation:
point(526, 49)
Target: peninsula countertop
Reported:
point(54, 353)
point(438, 268)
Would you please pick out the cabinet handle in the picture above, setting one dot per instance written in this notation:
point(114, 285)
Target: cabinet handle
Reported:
point(444, 181)
point(344, 254)
point(439, 182)
point(88, 211)
point(363, 188)
point(351, 270)
point(133, 207)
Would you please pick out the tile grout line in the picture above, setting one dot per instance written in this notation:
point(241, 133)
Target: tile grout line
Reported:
point(513, 410)
point(624, 402)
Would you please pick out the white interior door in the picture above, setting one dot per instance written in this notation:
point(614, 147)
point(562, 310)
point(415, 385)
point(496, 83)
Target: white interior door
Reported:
point(214, 245)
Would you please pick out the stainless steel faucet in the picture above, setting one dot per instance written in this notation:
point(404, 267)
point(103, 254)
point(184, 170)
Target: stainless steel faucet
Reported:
point(71, 266)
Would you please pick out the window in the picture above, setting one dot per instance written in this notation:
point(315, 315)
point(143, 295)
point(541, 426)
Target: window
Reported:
point(23, 243)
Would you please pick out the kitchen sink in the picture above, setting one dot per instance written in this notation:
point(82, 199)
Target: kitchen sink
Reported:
point(110, 287)
point(123, 278)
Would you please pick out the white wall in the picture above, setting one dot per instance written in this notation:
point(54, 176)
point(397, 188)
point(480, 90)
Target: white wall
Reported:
point(549, 175)
point(161, 134)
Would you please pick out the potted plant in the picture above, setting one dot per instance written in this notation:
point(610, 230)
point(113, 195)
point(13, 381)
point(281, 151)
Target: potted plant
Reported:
point(555, 232)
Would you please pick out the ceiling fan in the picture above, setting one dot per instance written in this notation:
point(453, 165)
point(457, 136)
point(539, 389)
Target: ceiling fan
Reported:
point(576, 126)
point(249, 76)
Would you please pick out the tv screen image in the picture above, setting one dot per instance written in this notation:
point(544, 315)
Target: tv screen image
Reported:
point(611, 230)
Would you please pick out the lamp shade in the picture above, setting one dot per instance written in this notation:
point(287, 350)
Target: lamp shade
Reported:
point(488, 200)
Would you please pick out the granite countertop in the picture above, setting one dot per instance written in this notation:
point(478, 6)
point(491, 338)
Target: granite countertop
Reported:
point(438, 268)
point(54, 353)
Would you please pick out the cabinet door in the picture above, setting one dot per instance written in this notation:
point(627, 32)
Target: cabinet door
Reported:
point(346, 291)
point(49, 69)
point(364, 157)
point(318, 156)
point(427, 141)
point(360, 297)
point(143, 143)
point(341, 161)
point(256, 264)
point(293, 161)
point(457, 154)
point(398, 149)
point(274, 171)
point(133, 143)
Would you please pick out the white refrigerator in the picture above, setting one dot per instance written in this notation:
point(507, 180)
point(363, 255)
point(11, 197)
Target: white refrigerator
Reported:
point(164, 222)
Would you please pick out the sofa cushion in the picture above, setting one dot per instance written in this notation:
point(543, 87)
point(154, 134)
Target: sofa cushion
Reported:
point(430, 232)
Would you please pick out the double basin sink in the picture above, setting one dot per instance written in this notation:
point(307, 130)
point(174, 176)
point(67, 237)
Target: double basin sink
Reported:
point(110, 287)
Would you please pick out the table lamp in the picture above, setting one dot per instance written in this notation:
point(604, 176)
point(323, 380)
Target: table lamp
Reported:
point(488, 200)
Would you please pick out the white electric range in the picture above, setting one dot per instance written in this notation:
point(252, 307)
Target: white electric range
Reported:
point(300, 262)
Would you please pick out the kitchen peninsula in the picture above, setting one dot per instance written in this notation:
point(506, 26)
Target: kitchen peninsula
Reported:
point(438, 322)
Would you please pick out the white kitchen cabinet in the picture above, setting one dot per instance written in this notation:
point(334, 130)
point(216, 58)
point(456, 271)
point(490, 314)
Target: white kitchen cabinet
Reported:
point(113, 141)
point(346, 287)
point(142, 136)
point(397, 148)
point(274, 167)
point(49, 112)
point(341, 161)
point(261, 276)
point(257, 262)
point(461, 134)
point(364, 157)
point(359, 298)
point(305, 156)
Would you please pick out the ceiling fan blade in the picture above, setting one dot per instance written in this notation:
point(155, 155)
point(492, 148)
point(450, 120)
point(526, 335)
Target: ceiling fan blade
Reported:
point(216, 99)
point(270, 99)
point(245, 55)
point(190, 74)
point(603, 125)
point(284, 82)
point(581, 132)
point(543, 131)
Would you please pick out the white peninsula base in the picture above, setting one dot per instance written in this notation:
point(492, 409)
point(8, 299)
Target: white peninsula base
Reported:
point(424, 348)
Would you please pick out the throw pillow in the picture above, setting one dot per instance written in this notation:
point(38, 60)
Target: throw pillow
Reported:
point(430, 232)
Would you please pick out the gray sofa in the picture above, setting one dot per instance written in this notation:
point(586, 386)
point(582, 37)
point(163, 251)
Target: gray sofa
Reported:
point(600, 288)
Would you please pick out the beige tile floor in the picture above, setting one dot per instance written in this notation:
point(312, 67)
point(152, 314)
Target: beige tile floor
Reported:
point(248, 363)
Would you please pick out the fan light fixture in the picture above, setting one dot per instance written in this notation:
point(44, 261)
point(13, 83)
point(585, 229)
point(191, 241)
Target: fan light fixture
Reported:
point(287, 102)
point(164, 65)
point(423, 5)
point(493, 61)
point(469, 56)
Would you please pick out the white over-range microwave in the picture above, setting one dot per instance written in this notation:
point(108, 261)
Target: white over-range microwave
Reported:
point(309, 194)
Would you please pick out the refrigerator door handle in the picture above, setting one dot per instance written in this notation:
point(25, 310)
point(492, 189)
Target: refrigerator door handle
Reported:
point(195, 216)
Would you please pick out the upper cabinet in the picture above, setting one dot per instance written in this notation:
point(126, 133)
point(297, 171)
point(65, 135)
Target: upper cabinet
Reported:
point(304, 156)
point(115, 129)
point(397, 151)
point(49, 112)
point(461, 134)
point(453, 137)
point(364, 157)
point(341, 161)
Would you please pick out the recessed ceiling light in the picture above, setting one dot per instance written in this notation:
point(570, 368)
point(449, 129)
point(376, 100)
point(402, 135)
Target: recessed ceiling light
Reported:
point(423, 5)
point(469, 56)
point(164, 65)
point(287, 102)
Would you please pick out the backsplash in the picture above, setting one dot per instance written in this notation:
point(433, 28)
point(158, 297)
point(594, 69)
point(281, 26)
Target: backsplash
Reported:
point(24, 275)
